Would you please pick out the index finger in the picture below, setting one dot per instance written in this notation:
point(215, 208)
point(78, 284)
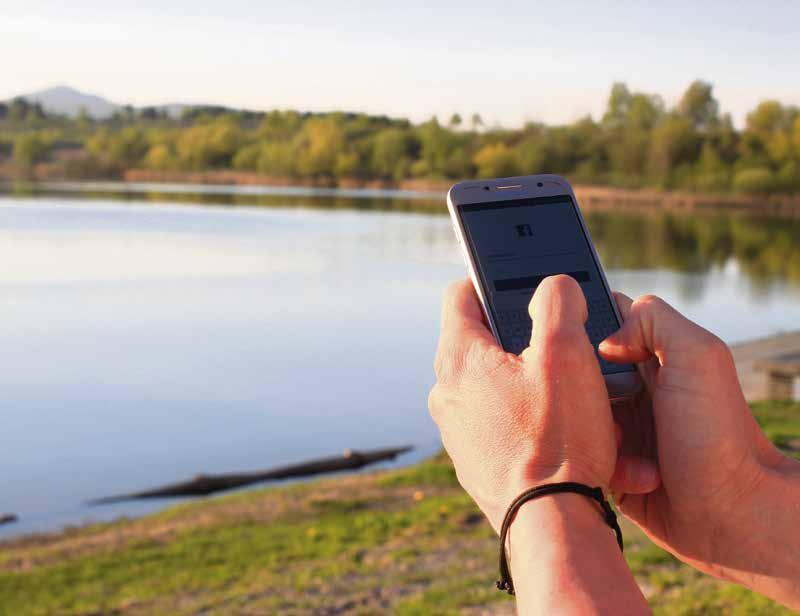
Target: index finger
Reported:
point(462, 315)
point(463, 331)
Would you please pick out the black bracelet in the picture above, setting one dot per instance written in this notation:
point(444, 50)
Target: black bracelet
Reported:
point(505, 583)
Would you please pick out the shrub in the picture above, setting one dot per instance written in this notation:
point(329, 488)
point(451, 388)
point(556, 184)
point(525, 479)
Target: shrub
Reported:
point(754, 180)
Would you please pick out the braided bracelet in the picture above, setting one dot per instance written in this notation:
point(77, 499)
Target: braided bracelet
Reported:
point(505, 583)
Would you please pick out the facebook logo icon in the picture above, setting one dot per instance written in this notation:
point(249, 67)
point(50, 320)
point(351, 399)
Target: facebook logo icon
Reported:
point(524, 231)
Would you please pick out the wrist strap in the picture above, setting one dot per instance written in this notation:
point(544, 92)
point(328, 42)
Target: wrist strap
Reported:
point(505, 583)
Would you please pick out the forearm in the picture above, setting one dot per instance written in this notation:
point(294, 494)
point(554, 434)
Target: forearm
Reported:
point(766, 537)
point(565, 560)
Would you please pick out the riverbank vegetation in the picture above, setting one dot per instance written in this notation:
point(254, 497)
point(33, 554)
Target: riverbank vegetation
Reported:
point(406, 541)
point(638, 142)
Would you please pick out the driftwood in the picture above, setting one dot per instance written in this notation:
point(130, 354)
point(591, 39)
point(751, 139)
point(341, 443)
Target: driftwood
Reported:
point(8, 518)
point(202, 485)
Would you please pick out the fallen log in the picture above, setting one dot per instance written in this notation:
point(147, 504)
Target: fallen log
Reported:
point(203, 485)
point(8, 518)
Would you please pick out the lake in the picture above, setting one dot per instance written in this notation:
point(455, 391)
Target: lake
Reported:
point(150, 333)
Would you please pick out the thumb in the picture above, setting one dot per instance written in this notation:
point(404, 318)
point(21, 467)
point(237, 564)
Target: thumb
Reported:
point(558, 306)
point(651, 328)
point(558, 336)
point(635, 475)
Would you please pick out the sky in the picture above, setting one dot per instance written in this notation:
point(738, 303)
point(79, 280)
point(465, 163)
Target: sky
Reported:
point(511, 62)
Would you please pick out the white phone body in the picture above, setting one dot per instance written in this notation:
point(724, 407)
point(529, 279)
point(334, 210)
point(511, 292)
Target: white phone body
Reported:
point(620, 385)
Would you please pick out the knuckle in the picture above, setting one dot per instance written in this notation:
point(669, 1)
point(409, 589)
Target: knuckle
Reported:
point(562, 349)
point(474, 362)
point(434, 403)
point(716, 350)
point(484, 361)
point(649, 301)
point(449, 366)
point(558, 338)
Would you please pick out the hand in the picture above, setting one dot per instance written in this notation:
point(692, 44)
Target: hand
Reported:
point(509, 422)
point(718, 496)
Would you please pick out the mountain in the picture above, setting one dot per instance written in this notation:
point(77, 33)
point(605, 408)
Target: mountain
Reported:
point(69, 101)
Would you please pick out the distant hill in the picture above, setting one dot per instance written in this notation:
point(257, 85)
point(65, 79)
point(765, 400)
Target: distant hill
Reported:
point(69, 101)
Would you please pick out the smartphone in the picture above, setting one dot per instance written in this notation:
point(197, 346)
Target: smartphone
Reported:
point(514, 232)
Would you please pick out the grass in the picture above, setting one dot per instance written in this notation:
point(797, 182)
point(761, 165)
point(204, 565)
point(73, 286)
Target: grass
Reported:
point(407, 541)
point(780, 422)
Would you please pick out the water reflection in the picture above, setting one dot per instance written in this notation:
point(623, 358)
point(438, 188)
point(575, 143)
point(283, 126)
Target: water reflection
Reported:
point(146, 342)
point(764, 249)
point(262, 196)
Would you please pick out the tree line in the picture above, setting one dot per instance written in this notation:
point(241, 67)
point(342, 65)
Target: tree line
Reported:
point(638, 142)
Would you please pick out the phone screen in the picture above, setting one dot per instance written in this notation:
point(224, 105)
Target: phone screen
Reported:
point(517, 244)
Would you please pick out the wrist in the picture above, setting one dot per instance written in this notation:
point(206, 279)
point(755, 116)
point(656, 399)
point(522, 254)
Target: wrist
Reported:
point(539, 475)
point(760, 543)
point(557, 520)
point(560, 545)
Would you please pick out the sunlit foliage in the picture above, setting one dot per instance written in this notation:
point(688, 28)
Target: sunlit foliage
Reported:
point(637, 142)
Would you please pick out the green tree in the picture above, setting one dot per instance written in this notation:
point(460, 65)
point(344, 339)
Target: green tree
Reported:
point(699, 106)
point(754, 180)
point(84, 120)
point(631, 111)
point(628, 121)
point(161, 157)
point(246, 157)
point(674, 142)
point(280, 125)
point(636, 142)
point(766, 118)
point(476, 121)
point(591, 161)
point(459, 163)
point(209, 145)
point(128, 147)
point(436, 146)
point(767, 140)
point(796, 136)
point(277, 159)
point(531, 152)
point(711, 174)
point(318, 145)
point(390, 154)
point(496, 160)
point(29, 149)
point(347, 164)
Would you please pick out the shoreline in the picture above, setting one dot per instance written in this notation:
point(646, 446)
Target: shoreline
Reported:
point(590, 196)
point(406, 540)
point(746, 354)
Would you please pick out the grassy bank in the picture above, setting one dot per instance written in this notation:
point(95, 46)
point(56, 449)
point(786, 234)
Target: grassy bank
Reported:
point(407, 541)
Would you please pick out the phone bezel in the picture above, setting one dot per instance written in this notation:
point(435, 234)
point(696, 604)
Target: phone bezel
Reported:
point(620, 385)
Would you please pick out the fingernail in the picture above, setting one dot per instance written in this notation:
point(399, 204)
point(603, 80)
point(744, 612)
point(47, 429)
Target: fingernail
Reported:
point(644, 474)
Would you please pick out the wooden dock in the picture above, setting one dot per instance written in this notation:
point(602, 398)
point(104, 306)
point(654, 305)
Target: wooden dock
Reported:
point(769, 368)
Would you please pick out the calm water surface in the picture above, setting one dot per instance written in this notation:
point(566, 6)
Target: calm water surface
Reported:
point(146, 341)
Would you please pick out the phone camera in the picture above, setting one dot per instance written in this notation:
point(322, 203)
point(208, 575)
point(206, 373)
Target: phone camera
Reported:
point(539, 184)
